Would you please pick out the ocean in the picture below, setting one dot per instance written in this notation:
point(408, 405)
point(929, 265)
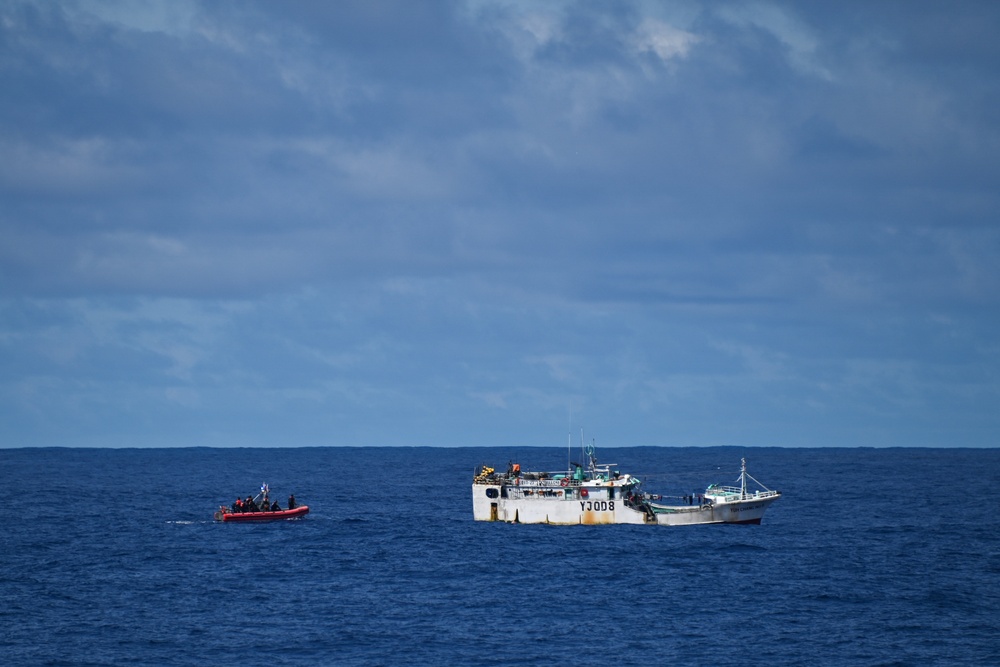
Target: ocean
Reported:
point(871, 557)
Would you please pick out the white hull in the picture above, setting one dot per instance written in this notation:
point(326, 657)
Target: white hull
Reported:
point(598, 508)
point(605, 497)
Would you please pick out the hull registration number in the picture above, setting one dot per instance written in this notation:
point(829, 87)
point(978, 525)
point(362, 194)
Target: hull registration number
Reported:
point(597, 506)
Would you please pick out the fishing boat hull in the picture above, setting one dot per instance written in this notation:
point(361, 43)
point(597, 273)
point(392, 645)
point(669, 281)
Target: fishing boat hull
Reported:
point(598, 509)
point(559, 511)
point(602, 495)
point(237, 517)
point(749, 510)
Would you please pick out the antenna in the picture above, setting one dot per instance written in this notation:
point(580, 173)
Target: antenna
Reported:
point(569, 455)
point(569, 438)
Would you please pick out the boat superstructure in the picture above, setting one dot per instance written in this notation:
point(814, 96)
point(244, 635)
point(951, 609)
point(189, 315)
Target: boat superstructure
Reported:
point(599, 494)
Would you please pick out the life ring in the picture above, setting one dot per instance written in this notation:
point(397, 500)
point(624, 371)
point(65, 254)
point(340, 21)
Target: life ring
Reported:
point(564, 482)
point(584, 493)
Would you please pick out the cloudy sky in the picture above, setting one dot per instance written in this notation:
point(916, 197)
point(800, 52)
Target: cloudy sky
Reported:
point(490, 222)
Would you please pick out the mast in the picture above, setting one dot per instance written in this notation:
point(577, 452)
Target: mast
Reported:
point(569, 438)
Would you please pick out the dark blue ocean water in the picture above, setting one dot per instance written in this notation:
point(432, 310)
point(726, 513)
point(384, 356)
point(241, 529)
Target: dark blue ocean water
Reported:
point(872, 557)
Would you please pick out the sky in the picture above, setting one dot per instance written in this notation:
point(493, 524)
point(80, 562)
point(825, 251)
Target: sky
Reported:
point(496, 222)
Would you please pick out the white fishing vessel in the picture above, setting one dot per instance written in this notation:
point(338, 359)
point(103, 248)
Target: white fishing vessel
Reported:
point(598, 494)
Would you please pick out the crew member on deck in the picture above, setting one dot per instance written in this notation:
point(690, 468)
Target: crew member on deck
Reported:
point(291, 502)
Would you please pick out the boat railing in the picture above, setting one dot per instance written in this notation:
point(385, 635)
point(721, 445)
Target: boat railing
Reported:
point(735, 491)
point(719, 490)
point(549, 482)
point(553, 479)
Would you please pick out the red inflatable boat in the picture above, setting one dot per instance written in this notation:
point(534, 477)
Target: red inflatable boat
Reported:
point(225, 514)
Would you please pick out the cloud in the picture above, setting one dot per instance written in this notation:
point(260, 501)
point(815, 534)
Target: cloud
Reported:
point(649, 213)
point(663, 39)
point(796, 37)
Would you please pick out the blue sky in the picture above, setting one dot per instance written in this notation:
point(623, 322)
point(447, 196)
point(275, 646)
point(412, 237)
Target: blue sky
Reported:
point(491, 222)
